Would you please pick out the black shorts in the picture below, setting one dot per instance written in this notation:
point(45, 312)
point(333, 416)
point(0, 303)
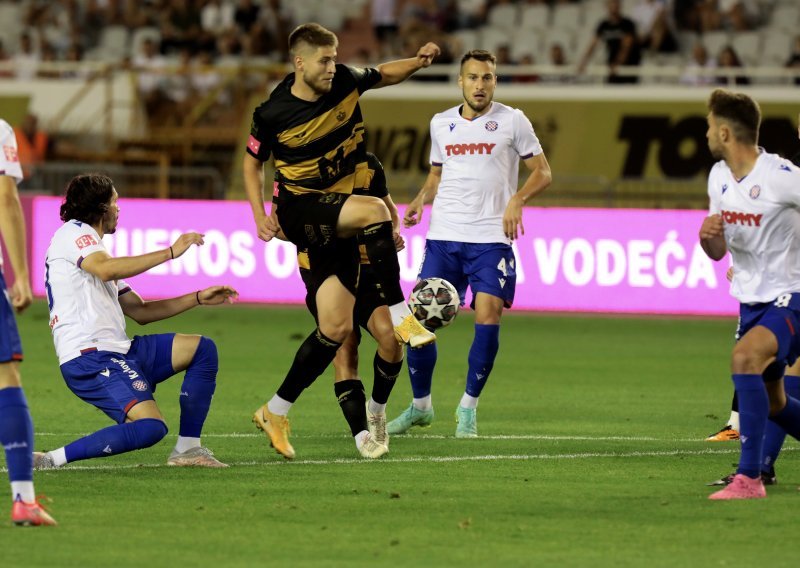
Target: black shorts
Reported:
point(369, 296)
point(309, 220)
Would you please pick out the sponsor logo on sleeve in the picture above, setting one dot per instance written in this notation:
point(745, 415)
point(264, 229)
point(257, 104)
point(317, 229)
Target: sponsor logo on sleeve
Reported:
point(85, 241)
point(253, 144)
point(11, 153)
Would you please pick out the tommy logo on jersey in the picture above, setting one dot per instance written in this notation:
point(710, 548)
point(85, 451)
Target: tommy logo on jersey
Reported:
point(461, 149)
point(85, 241)
point(740, 218)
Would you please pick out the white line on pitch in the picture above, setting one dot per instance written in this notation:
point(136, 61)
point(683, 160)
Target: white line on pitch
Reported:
point(436, 459)
point(545, 437)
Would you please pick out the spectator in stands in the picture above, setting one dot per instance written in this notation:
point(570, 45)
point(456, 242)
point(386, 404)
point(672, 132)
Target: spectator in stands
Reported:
point(26, 60)
point(260, 41)
point(622, 47)
point(246, 14)
point(525, 60)
point(217, 16)
point(558, 58)
point(180, 26)
point(4, 56)
point(729, 59)
point(503, 58)
point(794, 59)
point(74, 55)
point(149, 66)
point(384, 18)
point(472, 14)
point(652, 26)
point(47, 57)
point(735, 15)
point(33, 147)
point(696, 71)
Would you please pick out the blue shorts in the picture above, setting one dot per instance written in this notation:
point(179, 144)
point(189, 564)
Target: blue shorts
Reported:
point(10, 344)
point(115, 383)
point(782, 318)
point(486, 267)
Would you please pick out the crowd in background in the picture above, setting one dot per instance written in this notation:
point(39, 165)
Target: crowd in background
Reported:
point(178, 46)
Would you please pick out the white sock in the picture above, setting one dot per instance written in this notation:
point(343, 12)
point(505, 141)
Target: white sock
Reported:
point(733, 421)
point(468, 401)
point(278, 406)
point(423, 403)
point(359, 438)
point(399, 312)
point(184, 443)
point(59, 456)
point(376, 408)
point(23, 490)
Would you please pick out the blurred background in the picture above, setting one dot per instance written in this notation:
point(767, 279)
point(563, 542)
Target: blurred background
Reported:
point(159, 93)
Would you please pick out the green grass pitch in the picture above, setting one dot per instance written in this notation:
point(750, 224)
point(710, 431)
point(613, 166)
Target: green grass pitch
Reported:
point(590, 454)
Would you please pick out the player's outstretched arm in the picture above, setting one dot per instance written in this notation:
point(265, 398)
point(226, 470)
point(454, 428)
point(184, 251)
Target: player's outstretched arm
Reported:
point(712, 237)
point(394, 72)
point(108, 268)
point(12, 227)
point(253, 172)
point(426, 195)
point(143, 312)
point(538, 180)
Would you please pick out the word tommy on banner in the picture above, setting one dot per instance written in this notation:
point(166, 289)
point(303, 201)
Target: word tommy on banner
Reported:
point(592, 260)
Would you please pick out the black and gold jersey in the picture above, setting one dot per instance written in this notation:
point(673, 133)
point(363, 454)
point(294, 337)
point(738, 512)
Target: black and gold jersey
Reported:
point(317, 146)
point(376, 187)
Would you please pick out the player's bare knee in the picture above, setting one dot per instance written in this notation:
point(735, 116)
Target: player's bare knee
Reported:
point(745, 361)
point(375, 211)
point(336, 331)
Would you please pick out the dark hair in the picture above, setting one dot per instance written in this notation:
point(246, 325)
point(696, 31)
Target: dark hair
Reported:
point(738, 110)
point(479, 55)
point(86, 198)
point(312, 34)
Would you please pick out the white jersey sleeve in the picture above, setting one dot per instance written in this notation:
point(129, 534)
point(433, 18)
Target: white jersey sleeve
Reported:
point(715, 189)
point(526, 143)
point(9, 155)
point(437, 159)
point(786, 183)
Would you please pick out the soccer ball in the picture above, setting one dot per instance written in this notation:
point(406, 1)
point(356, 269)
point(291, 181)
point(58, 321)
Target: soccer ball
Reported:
point(434, 302)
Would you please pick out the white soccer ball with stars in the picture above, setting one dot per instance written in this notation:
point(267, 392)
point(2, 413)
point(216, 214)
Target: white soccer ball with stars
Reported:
point(434, 302)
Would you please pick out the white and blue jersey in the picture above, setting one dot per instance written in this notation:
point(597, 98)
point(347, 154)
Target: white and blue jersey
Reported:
point(466, 244)
point(10, 344)
point(85, 314)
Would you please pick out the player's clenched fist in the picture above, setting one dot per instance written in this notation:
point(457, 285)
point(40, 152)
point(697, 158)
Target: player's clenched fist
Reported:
point(712, 227)
point(182, 244)
point(427, 52)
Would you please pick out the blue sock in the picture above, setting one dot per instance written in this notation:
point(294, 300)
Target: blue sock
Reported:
point(16, 433)
point(775, 435)
point(421, 361)
point(198, 388)
point(117, 439)
point(753, 413)
point(481, 357)
point(789, 417)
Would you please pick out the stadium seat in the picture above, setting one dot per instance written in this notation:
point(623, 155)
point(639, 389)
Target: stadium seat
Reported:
point(777, 45)
point(469, 39)
point(785, 17)
point(114, 42)
point(567, 40)
point(594, 12)
point(567, 17)
point(527, 41)
point(141, 34)
point(748, 46)
point(503, 16)
point(492, 38)
point(715, 41)
point(331, 15)
point(535, 17)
